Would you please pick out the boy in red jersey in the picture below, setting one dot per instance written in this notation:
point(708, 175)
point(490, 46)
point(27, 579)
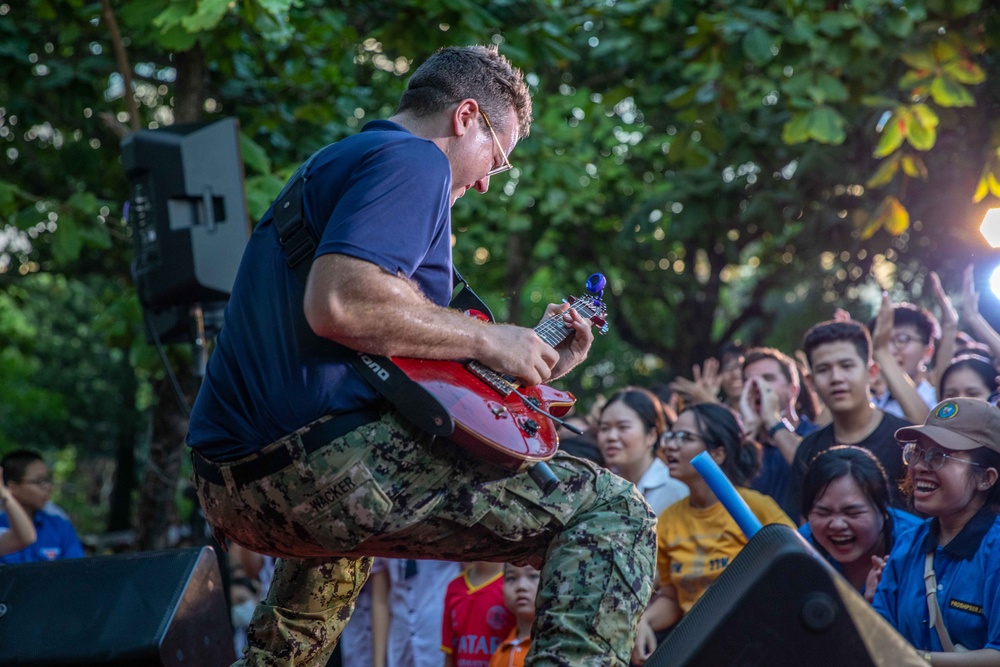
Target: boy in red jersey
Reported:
point(475, 618)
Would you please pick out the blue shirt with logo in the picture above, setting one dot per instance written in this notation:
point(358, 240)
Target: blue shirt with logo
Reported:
point(56, 540)
point(968, 577)
point(383, 196)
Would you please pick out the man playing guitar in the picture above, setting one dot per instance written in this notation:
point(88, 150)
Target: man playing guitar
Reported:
point(296, 456)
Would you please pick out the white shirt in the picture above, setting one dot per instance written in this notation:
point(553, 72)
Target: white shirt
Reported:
point(660, 489)
point(888, 404)
point(417, 607)
point(356, 640)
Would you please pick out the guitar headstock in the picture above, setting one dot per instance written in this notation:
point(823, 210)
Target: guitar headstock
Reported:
point(591, 306)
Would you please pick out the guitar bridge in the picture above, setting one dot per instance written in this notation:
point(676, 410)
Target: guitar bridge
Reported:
point(499, 382)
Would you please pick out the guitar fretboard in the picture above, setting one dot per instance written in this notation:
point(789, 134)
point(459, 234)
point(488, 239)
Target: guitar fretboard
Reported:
point(552, 331)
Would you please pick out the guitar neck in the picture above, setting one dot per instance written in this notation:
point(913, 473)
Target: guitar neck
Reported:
point(553, 331)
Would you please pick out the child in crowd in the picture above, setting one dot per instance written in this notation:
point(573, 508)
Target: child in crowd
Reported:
point(29, 482)
point(520, 586)
point(475, 619)
point(21, 531)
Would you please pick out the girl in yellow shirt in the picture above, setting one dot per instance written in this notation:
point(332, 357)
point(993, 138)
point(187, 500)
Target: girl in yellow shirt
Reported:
point(696, 536)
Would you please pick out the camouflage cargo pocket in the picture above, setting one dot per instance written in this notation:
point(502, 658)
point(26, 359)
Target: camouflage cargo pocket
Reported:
point(342, 508)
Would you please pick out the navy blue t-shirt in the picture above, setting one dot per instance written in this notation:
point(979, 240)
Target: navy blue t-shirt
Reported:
point(382, 196)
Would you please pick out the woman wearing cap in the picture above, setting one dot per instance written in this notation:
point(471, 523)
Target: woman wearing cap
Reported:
point(953, 461)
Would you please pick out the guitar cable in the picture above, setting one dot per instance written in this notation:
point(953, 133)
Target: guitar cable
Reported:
point(531, 405)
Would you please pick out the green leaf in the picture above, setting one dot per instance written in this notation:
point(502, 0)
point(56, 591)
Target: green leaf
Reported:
point(7, 193)
point(892, 134)
point(261, 191)
point(208, 15)
point(66, 241)
point(879, 101)
point(949, 93)
point(897, 218)
point(884, 174)
point(920, 134)
point(833, 89)
point(800, 31)
point(796, 130)
point(175, 12)
point(757, 46)
point(982, 188)
point(254, 155)
point(176, 38)
point(919, 60)
point(925, 115)
point(891, 215)
point(915, 79)
point(914, 167)
point(994, 182)
point(965, 71)
point(826, 125)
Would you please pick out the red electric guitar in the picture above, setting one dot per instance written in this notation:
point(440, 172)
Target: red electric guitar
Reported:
point(494, 417)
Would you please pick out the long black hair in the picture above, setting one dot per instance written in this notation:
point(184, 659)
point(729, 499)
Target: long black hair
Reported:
point(862, 466)
point(719, 427)
point(646, 405)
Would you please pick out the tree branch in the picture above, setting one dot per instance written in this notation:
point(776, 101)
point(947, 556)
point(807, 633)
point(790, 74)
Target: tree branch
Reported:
point(123, 66)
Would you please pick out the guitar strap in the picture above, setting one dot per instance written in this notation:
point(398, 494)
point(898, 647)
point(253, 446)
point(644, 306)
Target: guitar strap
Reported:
point(412, 401)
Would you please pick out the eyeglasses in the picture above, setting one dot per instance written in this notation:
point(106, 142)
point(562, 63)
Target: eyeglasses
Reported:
point(683, 437)
point(506, 166)
point(933, 457)
point(41, 481)
point(902, 339)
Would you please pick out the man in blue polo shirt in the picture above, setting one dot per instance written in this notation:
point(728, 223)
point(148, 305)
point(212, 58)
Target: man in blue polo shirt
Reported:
point(296, 456)
point(29, 481)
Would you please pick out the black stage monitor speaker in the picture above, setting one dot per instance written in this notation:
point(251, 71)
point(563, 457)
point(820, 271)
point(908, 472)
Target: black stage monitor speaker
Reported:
point(161, 608)
point(187, 210)
point(779, 603)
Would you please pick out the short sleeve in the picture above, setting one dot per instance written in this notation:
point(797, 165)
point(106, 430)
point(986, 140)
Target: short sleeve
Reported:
point(394, 208)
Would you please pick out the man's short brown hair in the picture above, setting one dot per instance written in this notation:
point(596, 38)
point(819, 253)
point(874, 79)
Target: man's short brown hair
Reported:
point(456, 73)
point(787, 365)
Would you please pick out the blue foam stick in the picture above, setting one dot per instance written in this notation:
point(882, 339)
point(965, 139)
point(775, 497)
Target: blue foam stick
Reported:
point(726, 493)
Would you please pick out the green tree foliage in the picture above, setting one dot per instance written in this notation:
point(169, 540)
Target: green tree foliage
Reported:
point(737, 169)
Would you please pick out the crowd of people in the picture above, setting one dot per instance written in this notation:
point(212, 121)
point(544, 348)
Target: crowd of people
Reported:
point(297, 455)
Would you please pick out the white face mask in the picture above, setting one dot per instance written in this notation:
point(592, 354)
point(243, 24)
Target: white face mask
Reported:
point(242, 613)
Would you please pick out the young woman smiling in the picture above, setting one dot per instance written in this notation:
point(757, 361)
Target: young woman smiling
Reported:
point(628, 435)
point(953, 462)
point(696, 538)
point(845, 499)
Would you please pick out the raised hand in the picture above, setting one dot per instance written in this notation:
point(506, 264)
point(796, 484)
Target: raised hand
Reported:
point(750, 407)
point(949, 317)
point(709, 376)
point(969, 301)
point(883, 324)
point(874, 576)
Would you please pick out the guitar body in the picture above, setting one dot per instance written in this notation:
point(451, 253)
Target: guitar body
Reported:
point(496, 427)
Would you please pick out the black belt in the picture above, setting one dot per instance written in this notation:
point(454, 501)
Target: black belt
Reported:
point(280, 458)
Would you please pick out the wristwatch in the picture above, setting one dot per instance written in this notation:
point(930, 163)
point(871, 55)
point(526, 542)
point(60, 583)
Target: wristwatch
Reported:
point(783, 424)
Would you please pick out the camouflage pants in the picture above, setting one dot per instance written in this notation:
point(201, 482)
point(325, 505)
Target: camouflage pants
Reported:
point(385, 489)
